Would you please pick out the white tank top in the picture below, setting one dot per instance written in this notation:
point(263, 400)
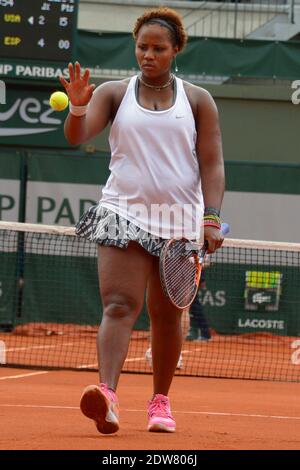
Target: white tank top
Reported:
point(155, 179)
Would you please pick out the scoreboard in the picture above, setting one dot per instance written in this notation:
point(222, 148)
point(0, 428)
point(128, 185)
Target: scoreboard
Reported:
point(38, 29)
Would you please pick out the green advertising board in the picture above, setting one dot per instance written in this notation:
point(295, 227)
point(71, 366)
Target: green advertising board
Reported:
point(27, 119)
point(9, 275)
point(10, 183)
point(232, 309)
point(103, 52)
point(61, 285)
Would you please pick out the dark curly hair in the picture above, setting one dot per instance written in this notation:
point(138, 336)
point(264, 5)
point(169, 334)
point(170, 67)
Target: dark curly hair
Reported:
point(165, 17)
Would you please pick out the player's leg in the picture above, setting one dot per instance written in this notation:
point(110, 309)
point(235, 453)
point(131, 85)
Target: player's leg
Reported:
point(166, 332)
point(185, 325)
point(166, 342)
point(122, 277)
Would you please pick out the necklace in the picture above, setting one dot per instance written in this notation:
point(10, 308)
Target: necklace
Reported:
point(160, 87)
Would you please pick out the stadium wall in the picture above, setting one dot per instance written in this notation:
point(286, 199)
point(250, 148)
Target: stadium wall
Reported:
point(260, 202)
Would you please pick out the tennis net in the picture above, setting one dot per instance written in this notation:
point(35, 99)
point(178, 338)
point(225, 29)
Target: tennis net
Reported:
point(50, 309)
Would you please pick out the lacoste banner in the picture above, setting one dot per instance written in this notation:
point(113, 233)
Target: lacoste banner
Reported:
point(263, 289)
point(27, 119)
point(240, 300)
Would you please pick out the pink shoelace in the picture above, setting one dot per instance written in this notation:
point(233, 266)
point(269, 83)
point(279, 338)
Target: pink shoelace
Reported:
point(159, 406)
point(110, 394)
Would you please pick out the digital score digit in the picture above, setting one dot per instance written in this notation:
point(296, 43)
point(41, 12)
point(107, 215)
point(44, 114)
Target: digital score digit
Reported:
point(38, 29)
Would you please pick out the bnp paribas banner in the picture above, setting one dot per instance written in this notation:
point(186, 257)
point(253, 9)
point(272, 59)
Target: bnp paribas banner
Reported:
point(60, 188)
point(10, 179)
point(26, 119)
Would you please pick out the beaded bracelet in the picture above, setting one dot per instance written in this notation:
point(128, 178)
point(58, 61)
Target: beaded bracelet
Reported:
point(212, 218)
point(212, 224)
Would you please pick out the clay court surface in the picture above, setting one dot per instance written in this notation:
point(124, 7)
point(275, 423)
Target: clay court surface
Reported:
point(39, 410)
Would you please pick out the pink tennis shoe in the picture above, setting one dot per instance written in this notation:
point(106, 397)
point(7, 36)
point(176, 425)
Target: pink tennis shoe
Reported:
point(101, 404)
point(159, 415)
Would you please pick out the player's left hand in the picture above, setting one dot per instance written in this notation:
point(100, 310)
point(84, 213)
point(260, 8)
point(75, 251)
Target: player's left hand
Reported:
point(213, 238)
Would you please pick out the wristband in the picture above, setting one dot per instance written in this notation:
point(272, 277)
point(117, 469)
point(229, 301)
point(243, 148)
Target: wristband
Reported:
point(78, 110)
point(211, 211)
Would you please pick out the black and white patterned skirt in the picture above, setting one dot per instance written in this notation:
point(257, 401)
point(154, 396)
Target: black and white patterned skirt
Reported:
point(105, 227)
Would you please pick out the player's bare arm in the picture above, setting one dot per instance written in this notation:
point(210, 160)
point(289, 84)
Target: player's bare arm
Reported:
point(210, 155)
point(209, 150)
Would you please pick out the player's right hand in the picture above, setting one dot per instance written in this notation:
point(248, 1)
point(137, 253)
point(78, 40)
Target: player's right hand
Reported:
point(78, 88)
point(213, 238)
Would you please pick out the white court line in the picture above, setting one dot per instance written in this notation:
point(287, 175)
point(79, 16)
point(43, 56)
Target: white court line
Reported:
point(51, 407)
point(134, 359)
point(213, 413)
point(21, 376)
point(86, 366)
point(49, 346)
point(216, 413)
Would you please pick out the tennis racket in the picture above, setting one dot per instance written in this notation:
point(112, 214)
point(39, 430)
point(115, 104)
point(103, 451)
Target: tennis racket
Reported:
point(180, 267)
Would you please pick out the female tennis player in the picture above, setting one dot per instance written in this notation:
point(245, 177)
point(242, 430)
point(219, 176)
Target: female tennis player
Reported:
point(167, 179)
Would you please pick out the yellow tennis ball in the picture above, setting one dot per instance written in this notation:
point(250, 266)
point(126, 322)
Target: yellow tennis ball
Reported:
point(59, 100)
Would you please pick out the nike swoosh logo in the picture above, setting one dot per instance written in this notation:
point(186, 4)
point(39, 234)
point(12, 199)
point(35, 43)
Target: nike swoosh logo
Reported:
point(15, 131)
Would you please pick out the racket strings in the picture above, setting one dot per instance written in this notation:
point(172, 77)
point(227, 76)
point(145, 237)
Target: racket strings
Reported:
point(181, 273)
point(182, 287)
